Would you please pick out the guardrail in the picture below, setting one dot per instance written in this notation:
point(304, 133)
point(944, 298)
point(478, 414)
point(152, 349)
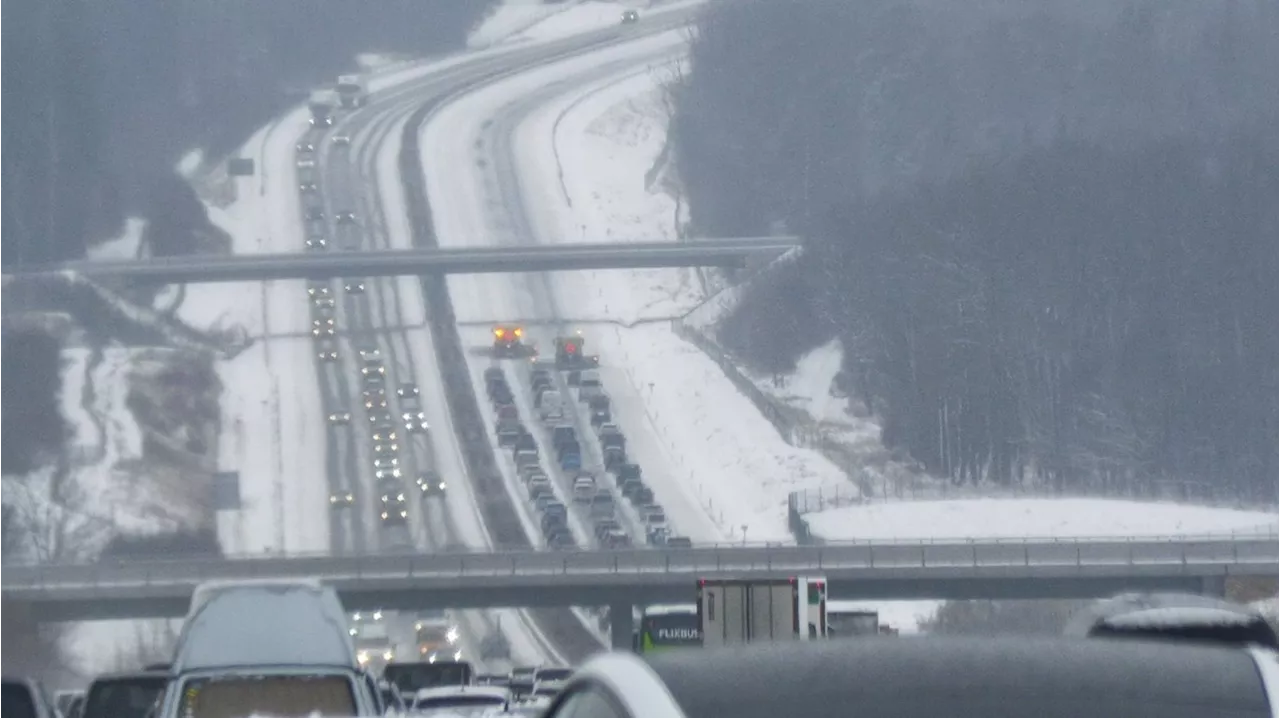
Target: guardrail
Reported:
point(1215, 550)
point(1251, 534)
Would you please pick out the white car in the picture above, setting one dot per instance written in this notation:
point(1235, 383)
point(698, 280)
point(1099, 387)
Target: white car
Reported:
point(415, 421)
point(340, 417)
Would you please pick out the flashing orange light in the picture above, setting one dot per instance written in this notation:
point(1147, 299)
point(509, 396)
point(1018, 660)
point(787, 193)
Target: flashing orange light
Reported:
point(519, 332)
point(499, 332)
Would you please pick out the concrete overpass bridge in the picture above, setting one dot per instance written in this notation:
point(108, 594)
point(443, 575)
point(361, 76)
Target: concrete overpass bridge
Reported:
point(730, 252)
point(879, 570)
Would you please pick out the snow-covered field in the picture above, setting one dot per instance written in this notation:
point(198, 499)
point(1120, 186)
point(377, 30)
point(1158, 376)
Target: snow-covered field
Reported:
point(526, 21)
point(1033, 518)
point(273, 425)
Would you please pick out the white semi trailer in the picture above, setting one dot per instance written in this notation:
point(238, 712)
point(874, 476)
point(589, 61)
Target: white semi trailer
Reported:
point(732, 612)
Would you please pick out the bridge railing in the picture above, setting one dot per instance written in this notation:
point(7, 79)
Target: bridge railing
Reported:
point(1210, 553)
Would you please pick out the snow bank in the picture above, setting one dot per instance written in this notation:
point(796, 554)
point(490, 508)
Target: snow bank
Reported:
point(189, 165)
point(107, 437)
point(85, 439)
point(272, 425)
point(525, 21)
point(125, 246)
point(584, 16)
point(512, 17)
point(1037, 518)
point(712, 450)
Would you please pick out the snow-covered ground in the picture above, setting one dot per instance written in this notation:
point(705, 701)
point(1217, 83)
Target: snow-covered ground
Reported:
point(1034, 518)
point(525, 21)
point(589, 184)
point(272, 425)
point(527, 647)
point(584, 162)
point(109, 491)
point(272, 421)
point(124, 246)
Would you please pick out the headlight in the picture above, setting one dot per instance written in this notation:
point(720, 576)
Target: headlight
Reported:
point(452, 635)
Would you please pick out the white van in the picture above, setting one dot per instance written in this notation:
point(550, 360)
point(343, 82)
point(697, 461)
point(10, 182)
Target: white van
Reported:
point(266, 647)
point(551, 405)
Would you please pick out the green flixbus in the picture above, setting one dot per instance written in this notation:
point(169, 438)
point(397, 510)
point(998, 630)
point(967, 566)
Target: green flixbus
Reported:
point(662, 628)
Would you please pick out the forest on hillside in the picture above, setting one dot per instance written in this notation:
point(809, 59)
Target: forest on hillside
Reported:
point(1046, 233)
point(104, 98)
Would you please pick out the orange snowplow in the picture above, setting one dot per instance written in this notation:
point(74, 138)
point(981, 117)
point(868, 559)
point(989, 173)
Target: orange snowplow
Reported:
point(508, 342)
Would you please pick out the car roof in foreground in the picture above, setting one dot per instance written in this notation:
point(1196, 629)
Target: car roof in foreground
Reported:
point(907, 677)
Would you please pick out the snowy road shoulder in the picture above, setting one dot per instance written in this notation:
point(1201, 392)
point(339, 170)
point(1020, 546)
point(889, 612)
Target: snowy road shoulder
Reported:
point(715, 461)
point(1032, 518)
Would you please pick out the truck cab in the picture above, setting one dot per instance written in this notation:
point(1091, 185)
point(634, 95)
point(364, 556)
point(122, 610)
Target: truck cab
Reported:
point(353, 92)
point(273, 647)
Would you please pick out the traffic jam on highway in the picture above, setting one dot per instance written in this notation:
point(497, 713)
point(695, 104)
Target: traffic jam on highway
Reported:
point(298, 659)
point(749, 647)
point(559, 439)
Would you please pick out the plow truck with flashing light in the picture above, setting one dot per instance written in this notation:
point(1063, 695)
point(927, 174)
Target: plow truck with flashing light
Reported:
point(570, 356)
point(508, 343)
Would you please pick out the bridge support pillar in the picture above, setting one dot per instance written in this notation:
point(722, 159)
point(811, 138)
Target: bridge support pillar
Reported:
point(621, 625)
point(1215, 586)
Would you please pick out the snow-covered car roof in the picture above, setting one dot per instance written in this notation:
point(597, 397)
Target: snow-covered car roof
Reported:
point(264, 623)
point(1134, 610)
point(1178, 616)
